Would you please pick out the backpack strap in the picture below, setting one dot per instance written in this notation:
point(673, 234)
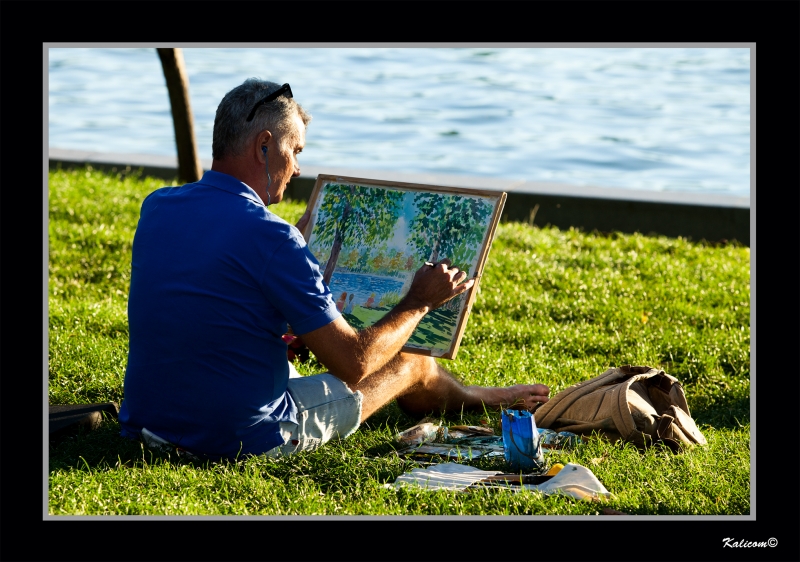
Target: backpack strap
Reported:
point(621, 415)
point(679, 425)
point(665, 433)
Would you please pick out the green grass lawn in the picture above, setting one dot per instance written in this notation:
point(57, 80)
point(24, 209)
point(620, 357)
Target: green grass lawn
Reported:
point(554, 307)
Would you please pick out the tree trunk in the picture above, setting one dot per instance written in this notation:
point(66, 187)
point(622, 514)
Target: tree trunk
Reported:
point(331, 265)
point(434, 257)
point(337, 246)
point(189, 168)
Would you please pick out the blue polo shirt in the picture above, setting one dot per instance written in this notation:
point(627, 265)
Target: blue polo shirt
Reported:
point(215, 279)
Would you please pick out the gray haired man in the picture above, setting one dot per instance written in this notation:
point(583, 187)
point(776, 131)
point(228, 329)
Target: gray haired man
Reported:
point(216, 277)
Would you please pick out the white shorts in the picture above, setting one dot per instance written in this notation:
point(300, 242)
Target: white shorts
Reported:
point(326, 409)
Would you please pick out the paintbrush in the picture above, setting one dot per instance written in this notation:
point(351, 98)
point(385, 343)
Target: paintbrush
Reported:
point(517, 479)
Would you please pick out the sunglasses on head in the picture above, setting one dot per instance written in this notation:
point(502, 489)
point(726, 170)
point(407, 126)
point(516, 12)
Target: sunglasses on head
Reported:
point(283, 90)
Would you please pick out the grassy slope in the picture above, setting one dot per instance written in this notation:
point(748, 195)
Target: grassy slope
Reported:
point(554, 307)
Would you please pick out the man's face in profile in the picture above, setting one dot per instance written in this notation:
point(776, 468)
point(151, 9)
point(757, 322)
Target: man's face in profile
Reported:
point(284, 164)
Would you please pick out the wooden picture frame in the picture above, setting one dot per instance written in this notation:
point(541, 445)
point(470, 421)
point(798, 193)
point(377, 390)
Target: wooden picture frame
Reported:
point(371, 236)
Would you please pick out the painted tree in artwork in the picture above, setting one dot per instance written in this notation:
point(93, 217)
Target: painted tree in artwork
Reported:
point(378, 262)
point(363, 260)
point(355, 215)
point(396, 260)
point(449, 226)
point(351, 260)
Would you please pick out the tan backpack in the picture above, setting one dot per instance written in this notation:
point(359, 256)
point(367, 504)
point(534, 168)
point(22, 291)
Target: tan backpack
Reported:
point(641, 405)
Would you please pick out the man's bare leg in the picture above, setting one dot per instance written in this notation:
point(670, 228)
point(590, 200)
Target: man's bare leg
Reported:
point(421, 386)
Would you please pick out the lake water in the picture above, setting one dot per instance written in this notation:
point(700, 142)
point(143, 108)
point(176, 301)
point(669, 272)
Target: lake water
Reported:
point(363, 286)
point(661, 119)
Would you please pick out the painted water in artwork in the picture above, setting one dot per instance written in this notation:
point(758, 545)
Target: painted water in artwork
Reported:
point(370, 240)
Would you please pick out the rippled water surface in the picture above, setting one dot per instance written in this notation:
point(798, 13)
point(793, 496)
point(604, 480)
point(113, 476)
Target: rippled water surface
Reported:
point(674, 119)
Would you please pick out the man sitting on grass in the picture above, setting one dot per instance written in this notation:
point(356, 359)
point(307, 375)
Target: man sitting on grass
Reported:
point(215, 279)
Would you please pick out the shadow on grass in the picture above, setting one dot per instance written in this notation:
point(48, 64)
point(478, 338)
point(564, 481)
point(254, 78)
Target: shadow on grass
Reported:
point(105, 449)
point(365, 459)
point(102, 447)
point(732, 414)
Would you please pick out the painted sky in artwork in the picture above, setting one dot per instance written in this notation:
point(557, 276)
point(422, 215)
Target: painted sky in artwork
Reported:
point(400, 238)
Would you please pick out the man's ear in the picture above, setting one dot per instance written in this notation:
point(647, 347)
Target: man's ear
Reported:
point(262, 142)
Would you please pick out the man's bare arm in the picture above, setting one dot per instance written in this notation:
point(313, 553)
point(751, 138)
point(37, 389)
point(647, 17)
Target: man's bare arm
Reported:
point(352, 355)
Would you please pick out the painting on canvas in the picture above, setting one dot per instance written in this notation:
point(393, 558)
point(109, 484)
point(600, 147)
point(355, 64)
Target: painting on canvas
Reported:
point(371, 236)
